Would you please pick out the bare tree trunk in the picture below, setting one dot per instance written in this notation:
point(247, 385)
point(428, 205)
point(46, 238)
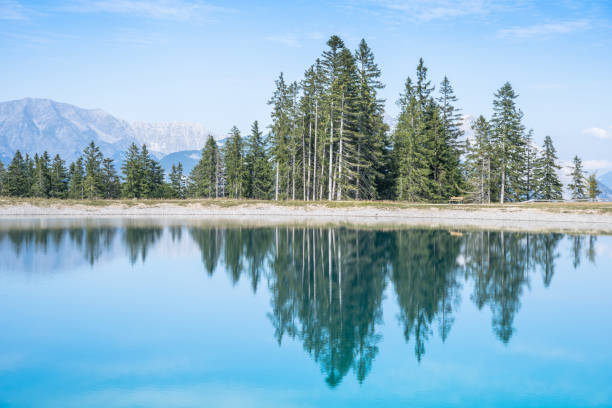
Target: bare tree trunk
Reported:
point(276, 188)
point(321, 177)
point(308, 186)
point(303, 162)
point(314, 167)
point(293, 175)
point(503, 176)
point(489, 180)
point(339, 196)
point(331, 151)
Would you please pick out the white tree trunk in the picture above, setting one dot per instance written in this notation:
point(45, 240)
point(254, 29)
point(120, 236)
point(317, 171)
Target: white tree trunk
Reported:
point(276, 187)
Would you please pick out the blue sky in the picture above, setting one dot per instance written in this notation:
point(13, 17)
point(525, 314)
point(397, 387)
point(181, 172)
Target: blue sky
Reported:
point(215, 62)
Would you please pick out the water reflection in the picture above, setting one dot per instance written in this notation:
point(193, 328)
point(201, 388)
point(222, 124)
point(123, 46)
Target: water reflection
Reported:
point(327, 284)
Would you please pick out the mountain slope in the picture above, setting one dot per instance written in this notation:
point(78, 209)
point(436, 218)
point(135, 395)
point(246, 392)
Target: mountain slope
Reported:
point(170, 137)
point(35, 125)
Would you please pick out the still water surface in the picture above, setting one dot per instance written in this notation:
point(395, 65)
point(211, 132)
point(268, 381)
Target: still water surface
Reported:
point(118, 313)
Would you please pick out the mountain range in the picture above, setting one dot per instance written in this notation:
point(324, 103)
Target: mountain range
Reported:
point(35, 125)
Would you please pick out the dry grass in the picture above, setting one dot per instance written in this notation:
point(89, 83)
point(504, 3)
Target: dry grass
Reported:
point(569, 207)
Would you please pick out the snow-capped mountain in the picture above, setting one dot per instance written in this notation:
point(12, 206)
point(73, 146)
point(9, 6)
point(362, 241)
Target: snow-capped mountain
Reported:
point(36, 125)
point(170, 137)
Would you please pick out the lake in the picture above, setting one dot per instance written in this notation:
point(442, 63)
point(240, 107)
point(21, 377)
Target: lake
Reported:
point(185, 313)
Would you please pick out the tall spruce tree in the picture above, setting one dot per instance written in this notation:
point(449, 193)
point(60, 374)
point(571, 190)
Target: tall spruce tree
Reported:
point(152, 181)
point(111, 185)
point(593, 187)
point(280, 130)
point(530, 160)
point(41, 186)
point(233, 154)
point(205, 175)
point(59, 178)
point(449, 147)
point(509, 143)
point(177, 181)
point(17, 184)
point(132, 172)
point(370, 129)
point(547, 183)
point(92, 183)
point(76, 187)
point(258, 182)
point(413, 138)
point(478, 161)
point(578, 185)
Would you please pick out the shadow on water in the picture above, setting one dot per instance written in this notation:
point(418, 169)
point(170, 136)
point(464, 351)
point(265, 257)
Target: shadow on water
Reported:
point(327, 284)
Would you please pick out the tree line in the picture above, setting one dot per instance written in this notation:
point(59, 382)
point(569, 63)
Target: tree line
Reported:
point(328, 141)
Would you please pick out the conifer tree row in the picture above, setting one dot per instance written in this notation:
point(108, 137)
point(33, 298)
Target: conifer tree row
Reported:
point(328, 140)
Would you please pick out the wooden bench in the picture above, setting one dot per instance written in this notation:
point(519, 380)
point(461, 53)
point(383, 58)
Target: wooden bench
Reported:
point(456, 200)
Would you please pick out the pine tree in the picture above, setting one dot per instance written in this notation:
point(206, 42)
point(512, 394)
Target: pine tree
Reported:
point(530, 160)
point(59, 178)
point(111, 186)
point(17, 184)
point(509, 143)
point(258, 182)
point(30, 175)
point(233, 155)
point(478, 161)
point(279, 136)
point(152, 178)
point(132, 173)
point(42, 178)
point(449, 148)
point(177, 181)
point(205, 175)
point(412, 146)
point(593, 187)
point(578, 185)
point(547, 183)
point(345, 171)
point(92, 183)
point(371, 131)
point(76, 187)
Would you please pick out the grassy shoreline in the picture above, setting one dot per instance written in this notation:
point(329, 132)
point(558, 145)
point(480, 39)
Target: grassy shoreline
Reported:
point(565, 207)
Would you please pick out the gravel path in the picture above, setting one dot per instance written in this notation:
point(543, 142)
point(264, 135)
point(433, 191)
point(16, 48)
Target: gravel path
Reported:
point(511, 218)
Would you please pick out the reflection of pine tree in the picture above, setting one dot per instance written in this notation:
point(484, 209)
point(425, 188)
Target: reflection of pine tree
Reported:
point(209, 240)
point(425, 277)
point(500, 263)
point(327, 288)
point(139, 239)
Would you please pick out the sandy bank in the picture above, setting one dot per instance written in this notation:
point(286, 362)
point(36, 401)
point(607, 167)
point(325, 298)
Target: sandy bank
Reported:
point(510, 217)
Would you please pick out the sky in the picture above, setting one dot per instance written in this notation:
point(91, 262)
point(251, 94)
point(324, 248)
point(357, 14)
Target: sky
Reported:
point(215, 61)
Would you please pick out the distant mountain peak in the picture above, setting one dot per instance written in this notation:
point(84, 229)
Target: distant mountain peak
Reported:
point(34, 125)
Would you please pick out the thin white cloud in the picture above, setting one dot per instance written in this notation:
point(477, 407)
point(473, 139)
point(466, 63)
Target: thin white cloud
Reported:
point(179, 10)
point(428, 10)
point(597, 165)
point(598, 132)
point(544, 29)
point(294, 40)
point(12, 10)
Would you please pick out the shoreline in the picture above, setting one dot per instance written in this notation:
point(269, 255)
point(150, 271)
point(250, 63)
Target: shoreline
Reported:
point(509, 217)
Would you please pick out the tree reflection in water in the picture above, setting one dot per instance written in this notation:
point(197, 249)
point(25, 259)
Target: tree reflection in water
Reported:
point(327, 284)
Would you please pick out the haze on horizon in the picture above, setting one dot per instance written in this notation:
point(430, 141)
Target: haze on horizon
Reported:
point(215, 62)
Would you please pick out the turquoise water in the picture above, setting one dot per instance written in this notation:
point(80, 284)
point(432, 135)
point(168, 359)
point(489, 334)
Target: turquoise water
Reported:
point(112, 313)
